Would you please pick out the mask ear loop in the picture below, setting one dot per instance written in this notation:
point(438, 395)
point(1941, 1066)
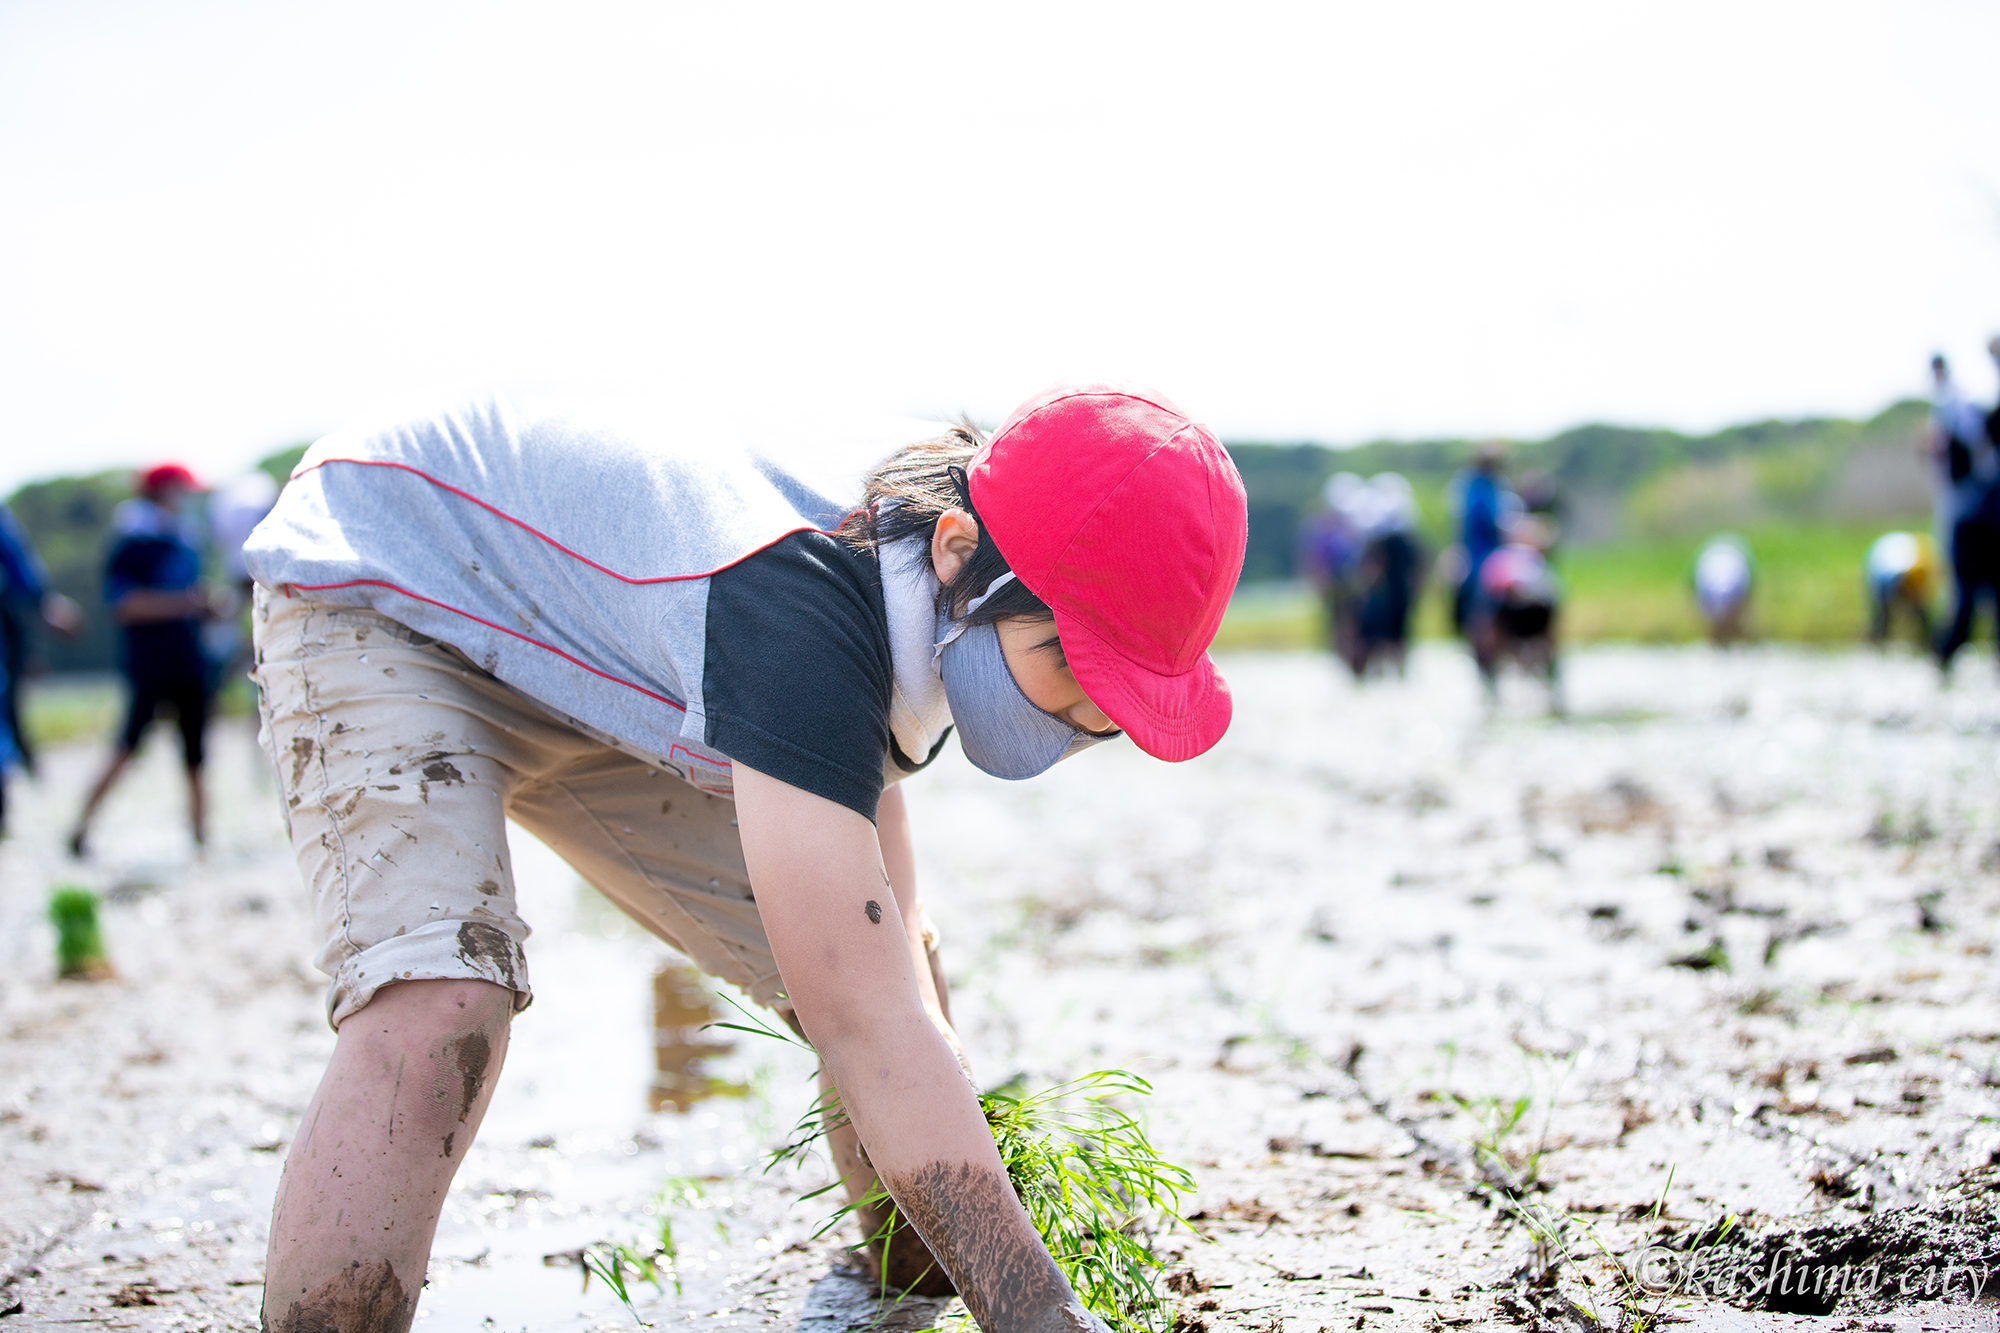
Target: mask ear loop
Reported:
point(959, 625)
point(963, 485)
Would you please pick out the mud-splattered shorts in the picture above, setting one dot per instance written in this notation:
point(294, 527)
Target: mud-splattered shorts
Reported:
point(400, 763)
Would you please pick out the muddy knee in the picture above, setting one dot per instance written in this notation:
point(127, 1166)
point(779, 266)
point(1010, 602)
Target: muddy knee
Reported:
point(441, 1044)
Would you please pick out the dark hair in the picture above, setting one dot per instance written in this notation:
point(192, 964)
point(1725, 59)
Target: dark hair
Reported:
point(907, 495)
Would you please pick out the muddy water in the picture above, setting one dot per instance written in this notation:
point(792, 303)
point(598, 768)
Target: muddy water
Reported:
point(1408, 978)
point(686, 1042)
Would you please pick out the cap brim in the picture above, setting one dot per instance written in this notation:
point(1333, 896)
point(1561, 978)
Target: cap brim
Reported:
point(1169, 717)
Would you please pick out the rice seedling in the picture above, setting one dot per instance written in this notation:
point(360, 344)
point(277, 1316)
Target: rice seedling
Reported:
point(1504, 1165)
point(79, 943)
point(1090, 1179)
point(1644, 1281)
point(610, 1262)
point(653, 1259)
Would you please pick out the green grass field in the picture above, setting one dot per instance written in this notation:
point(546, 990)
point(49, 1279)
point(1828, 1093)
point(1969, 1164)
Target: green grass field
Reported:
point(1808, 590)
point(82, 707)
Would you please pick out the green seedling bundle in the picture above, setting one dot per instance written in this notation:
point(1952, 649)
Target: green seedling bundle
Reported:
point(79, 942)
point(1094, 1187)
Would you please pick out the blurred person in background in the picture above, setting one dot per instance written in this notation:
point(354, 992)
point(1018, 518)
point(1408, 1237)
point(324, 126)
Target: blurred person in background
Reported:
point(1541, 495)
point(235, 508)
point(153, 589)
point(1900, 571)
point(1483, 504)
point(1512, 611)
point(1993, 415)
point(1723, 577)
point(25, 595)
point(1390, 574)
point(1963, 460)
point(1330, 547)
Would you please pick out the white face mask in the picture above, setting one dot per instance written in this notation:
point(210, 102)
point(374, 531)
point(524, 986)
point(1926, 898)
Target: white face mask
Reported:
point(999, 727)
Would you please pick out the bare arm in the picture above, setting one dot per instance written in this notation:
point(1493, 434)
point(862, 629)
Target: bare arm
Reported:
point(899, 862)
point(862, 999)
point(899, 872)
point(62, 615)
point(149, 606)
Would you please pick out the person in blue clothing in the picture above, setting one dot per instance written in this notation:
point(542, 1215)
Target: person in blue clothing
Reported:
point(24, 591)
point(1483, 500)
point(153, 587)
point(1967, 469)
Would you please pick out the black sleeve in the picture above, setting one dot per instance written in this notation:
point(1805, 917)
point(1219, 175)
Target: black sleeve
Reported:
point(796, 676)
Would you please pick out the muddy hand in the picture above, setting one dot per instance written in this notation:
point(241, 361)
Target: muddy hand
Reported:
point(1074, 1318)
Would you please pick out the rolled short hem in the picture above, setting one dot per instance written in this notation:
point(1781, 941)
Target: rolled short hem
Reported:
point(435, 951)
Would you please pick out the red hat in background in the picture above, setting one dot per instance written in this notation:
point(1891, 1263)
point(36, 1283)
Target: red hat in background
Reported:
point(155, 480)
point(1129, 520)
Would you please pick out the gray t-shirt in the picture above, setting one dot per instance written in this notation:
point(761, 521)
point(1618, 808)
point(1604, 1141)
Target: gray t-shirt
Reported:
point(686, 604)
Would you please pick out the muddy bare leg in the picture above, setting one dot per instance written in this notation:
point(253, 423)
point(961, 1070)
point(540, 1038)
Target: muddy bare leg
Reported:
point(395, 1112)
point(1486, 650)
point(197, 807)
point(119, 760)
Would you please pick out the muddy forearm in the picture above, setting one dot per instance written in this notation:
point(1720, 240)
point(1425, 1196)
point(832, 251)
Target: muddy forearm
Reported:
point(851, 966)
point(932, 1149)
point(974, 1224)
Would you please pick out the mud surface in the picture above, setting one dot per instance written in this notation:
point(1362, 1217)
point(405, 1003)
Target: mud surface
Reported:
point(1949, 1247)
point(1456, 1020)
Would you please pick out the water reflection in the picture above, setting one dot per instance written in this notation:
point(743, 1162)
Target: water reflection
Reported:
point(682, 1007)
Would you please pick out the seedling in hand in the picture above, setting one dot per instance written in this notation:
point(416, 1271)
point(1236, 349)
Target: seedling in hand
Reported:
point(1092, 1182)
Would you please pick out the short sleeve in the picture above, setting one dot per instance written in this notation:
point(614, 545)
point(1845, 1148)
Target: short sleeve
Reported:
point(797, 675)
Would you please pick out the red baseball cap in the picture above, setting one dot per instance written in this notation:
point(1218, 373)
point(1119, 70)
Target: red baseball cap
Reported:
point(1129, 520)
point(156, 479)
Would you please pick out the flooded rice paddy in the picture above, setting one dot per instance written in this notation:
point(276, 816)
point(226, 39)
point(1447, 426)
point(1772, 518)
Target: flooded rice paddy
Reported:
point(1459, 1020)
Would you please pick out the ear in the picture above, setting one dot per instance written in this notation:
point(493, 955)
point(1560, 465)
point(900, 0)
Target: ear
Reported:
point(956, 538)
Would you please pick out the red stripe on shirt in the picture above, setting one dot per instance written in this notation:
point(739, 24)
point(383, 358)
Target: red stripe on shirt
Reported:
point(416, 597)
point(533, 531)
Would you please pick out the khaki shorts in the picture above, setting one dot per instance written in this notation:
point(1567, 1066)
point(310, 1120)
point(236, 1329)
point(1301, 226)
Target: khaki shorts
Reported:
point(400, 763)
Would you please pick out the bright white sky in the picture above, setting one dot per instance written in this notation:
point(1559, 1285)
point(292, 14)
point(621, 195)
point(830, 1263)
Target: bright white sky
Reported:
point(228, 226)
